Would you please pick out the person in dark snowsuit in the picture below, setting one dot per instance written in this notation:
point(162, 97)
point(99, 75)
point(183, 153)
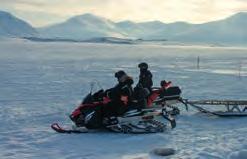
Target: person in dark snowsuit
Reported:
point(144, 87)
point(115, 102)
point(120, 96)
point(145, 77)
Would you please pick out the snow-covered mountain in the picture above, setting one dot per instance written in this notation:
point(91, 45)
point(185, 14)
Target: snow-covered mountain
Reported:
point(82, 27)
point(231, 30)
point(87, 26)
point(144, 30)
point(11, 26)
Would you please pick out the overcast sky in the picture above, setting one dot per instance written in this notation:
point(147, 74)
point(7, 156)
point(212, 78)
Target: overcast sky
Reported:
point(44, 12)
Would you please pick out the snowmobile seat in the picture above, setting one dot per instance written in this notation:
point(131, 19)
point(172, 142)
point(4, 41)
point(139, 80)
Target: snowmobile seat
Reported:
point(171, 93)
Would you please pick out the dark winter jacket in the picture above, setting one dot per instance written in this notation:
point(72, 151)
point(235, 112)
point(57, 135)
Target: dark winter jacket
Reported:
point(145, 79)
point(120, 96)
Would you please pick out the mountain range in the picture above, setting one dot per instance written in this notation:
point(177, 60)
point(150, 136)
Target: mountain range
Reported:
point(231, 30)
point(10, 26)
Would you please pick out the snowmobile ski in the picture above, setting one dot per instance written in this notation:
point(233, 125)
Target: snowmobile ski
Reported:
point(56, 127)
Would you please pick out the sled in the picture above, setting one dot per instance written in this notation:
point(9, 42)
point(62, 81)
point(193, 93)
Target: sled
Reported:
point(233, 108)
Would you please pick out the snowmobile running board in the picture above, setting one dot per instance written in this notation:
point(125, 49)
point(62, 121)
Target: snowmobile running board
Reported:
point(233, 107)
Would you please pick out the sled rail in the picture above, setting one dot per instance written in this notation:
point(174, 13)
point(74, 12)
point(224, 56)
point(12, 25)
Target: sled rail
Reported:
point(233, 107)
point(219, 102)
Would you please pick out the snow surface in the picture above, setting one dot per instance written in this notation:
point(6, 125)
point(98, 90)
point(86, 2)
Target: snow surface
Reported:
point(42, 83)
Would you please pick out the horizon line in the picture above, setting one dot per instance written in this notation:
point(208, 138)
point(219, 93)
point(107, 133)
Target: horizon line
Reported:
point(136, 22)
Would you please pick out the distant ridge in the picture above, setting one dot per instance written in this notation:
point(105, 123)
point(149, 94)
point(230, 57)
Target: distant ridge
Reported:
point(93, 40)
point(11, 26)
point(88, 27)
point(82, 27)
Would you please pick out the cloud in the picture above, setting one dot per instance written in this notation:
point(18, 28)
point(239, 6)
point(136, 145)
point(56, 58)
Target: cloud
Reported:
point(27, 2)
point(195, 11)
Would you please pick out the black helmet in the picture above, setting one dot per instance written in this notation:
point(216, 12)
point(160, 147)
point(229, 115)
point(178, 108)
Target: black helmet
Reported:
point(163, 83)
point(119, 74)
point(143, 65)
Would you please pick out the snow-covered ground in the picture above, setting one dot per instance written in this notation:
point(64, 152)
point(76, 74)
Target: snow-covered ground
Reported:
point(41, 83)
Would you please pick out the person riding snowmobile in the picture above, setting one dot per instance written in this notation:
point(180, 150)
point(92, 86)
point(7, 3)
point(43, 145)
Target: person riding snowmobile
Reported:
point(145, 77)
point(120, 96)
point(115, 102)
point(103, 108)
point(144, 87)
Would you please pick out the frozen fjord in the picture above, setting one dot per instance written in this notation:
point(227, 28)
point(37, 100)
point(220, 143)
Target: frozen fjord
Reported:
point(43, 82)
